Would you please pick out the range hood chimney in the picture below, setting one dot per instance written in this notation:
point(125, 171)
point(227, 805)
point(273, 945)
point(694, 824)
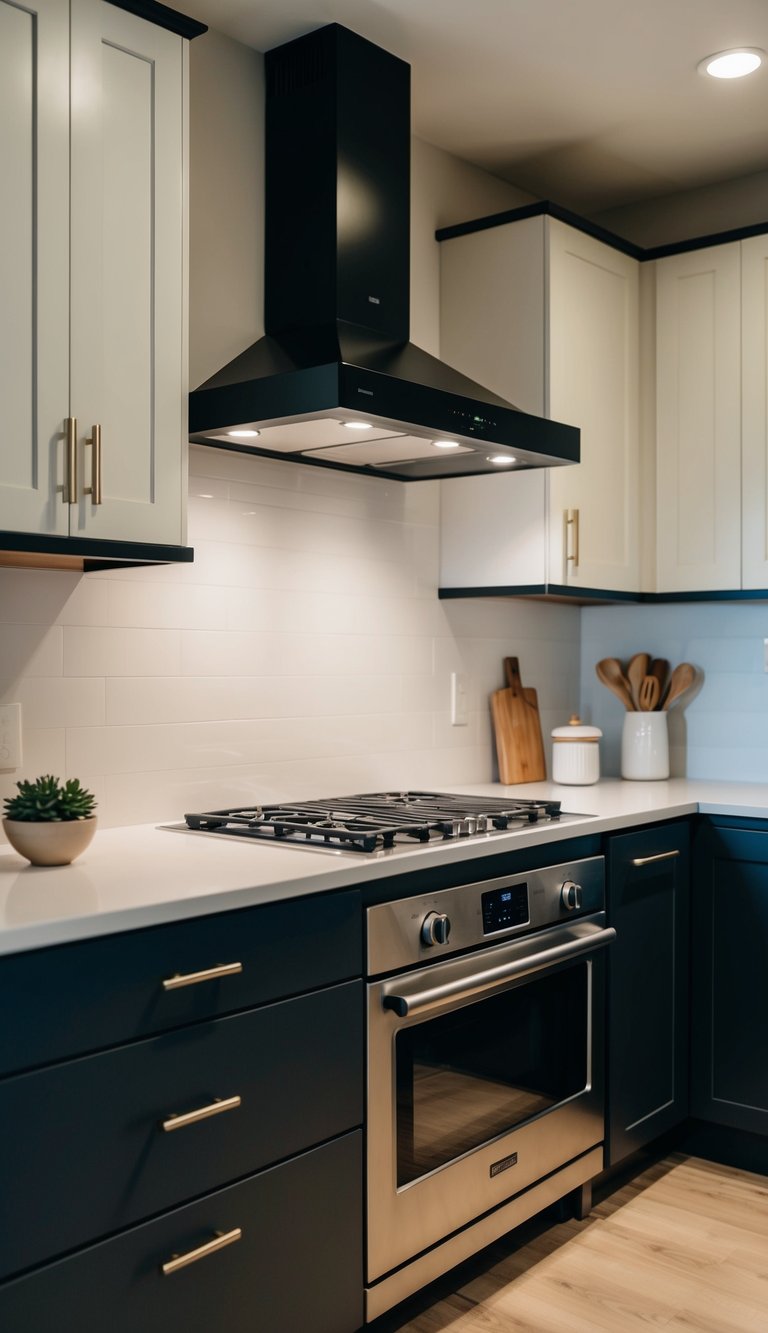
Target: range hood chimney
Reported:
point(335, 382)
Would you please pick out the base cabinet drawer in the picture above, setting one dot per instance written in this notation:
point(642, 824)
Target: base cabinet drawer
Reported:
point(92, 995)
point(94, 1145)
point(292, 1262)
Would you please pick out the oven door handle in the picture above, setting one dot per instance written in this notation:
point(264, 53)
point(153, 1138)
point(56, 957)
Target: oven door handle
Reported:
point(451, 993)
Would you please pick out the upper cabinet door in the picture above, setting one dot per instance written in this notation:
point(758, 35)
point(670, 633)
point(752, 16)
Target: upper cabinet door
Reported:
point(34, 264)
point(698, 386)
point(128, 347)
point(754, 422)
point(594, 384)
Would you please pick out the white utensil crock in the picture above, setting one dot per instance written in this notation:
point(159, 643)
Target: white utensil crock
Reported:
point(645, 747)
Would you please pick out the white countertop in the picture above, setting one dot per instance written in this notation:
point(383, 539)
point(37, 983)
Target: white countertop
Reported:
point(145, 875)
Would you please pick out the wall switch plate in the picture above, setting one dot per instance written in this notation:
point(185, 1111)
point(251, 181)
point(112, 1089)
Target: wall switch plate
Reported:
point(10, 736)
point(459, 692)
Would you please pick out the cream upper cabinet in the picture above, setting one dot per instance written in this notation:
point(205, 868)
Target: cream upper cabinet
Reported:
point(34, 263)
point(546, 316)
point(698, 420)
point(94, 270)
point(754, 418)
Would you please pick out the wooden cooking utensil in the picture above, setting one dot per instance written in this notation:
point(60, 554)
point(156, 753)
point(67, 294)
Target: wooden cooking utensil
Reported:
point(681, 680)
point(637, 670)
point(660, 669)
point(649, 694)
point(610, 673)
point(519, 744)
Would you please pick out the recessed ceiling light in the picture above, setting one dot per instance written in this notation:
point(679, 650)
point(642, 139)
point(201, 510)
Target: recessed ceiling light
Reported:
point(446, 444)
point(357, 425)
point(243, 434)
point(501, 459)
point(732, 64)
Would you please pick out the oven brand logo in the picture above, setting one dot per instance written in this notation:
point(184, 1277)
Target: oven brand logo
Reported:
point(503, 1165)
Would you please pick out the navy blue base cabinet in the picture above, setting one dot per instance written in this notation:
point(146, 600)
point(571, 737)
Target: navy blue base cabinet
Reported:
point(648, 972)
point(180, 1127)
point(730, 977)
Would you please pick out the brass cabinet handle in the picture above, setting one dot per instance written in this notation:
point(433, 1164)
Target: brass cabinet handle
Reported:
point(210, 974)
point(70, 489)
point(219, 1242)
point(204, 1113)
point(660, 856)
point(94, 490)
point(572, 547)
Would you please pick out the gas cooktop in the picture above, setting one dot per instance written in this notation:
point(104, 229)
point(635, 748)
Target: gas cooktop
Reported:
point(380, 821)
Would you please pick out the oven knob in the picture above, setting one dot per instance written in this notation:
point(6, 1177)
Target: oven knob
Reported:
point(435, 928)
point(570, 896)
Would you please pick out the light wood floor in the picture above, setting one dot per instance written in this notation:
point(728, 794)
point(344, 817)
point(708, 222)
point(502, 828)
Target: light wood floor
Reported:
point(682, 1247)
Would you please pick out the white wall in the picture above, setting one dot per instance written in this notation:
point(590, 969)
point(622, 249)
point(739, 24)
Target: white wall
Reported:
point(305, 651)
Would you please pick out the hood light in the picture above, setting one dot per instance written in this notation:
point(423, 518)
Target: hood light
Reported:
point(243, 434)
point(357, 425)
point(501, 460)
point(446, 444)
point(732, 64)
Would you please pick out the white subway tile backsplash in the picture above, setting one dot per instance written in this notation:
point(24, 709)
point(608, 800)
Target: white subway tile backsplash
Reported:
point(304, 651)
point(112, 651)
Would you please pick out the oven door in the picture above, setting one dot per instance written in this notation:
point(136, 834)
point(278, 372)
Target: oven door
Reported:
point(485, 1073)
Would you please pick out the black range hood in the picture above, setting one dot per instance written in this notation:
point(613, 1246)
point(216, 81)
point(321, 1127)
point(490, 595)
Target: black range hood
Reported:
point(335, 382)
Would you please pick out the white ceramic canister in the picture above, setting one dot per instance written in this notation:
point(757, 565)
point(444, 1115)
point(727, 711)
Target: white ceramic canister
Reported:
point(645, 747)
point(576, 754)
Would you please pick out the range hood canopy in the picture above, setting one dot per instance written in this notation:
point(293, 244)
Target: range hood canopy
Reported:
point(336, 382)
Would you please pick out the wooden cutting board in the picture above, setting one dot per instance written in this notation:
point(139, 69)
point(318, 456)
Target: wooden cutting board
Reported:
point(516, 723)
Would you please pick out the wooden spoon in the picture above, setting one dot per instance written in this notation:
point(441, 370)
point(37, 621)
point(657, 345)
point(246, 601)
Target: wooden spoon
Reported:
point(609, 672)
point(637, 670)
point(681, 680)
point(660, 669)
point(649, 694)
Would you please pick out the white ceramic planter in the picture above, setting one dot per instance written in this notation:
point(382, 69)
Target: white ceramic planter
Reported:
point(50, 844)
point(645, 747)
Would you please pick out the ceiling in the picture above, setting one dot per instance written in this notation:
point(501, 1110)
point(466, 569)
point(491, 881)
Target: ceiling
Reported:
point(593, 103)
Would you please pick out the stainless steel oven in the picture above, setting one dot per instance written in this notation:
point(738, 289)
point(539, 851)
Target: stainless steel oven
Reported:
point(485, 1064)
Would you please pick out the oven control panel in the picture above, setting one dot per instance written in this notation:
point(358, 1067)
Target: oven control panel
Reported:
point(412, 930)
point(505, 907)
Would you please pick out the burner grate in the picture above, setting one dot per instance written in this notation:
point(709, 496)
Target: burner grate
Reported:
point(375, 821)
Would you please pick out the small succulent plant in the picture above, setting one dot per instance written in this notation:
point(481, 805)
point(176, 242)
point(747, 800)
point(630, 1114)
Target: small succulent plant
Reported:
point(46, 800)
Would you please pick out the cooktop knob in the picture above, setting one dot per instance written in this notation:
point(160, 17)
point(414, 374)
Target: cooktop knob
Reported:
point(435, 928)
point(571, 896)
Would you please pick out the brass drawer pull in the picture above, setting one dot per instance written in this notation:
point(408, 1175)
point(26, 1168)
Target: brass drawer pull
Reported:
point(572, 546)
point(219, 1242)
point(70, 489)
point(660, 856)
point(204, 1113)
point(210, 974)
point(94, 490)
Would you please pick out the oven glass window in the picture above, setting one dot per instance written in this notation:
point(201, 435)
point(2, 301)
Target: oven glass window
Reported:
point(465, 1077)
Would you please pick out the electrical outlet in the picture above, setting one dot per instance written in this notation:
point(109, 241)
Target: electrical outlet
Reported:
point(10, 736)
point(459, 692)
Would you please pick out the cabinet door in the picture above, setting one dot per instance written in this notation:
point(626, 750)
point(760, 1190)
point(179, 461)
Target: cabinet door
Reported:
point(594, 384)
point(291, 1261)
point(493, 532)
point(34, 263)
point(647, 987)
point(754, 406)
point(698, 420)
point(127, 249)
point(730, 979)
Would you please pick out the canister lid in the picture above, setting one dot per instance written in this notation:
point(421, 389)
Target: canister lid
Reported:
point(576, 731)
